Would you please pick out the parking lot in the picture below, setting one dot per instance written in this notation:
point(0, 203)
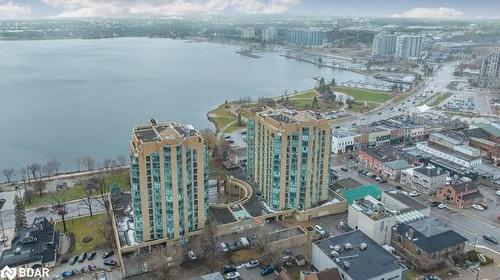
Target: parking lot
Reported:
point(98, 261)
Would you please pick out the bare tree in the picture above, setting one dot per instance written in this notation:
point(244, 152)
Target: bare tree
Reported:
point(102, 190)
point(121, 160)
point(208, 241)
point(209, 136)
point(87, 201)
point(88, 162)
point(34, 169)
point(59, 208)
point(25, 175)
point(40, 187)
point(8, 173)
point(51, 167)
point(109, 163)
point(223, 149)
point(78, 162)
point(166, 261)
point(28, 195)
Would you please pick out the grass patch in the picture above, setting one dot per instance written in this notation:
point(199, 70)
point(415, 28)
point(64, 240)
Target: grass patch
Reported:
point(440, 98)
point(360, 106)
point(77, 192)
point(365, 94)
point(309, 94)
point(86, 226)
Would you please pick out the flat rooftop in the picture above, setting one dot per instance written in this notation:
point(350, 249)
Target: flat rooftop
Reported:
point(371, 208)
point(411, 203)
point(364, 264)
point(287, 116)
point(155, 131)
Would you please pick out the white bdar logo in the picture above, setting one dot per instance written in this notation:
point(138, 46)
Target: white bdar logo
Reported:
point(8, 273)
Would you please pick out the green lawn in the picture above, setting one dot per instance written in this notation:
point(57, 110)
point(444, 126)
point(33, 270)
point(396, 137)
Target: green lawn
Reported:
point(360, 106)
point(365, 94)
point(83, 227)
point(77, 192)
point(304, 94)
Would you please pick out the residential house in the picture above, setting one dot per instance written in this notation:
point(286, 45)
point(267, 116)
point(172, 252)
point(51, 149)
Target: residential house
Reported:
point(460, 195)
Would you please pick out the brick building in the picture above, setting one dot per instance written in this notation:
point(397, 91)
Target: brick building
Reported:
point(460, 195)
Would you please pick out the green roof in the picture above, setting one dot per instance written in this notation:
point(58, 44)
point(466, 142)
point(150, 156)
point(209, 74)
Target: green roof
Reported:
point(491, 128)
point(356, 193)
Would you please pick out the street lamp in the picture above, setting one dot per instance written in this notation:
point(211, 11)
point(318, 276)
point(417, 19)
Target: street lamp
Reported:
point(2, 202)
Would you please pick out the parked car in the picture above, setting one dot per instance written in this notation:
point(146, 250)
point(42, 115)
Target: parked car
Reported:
point(223, 247)
point(75, 272)
point(435, 203)
point(267, 270)
point(414, 194)
point(228, 268)
point(84, 269)
point(483, 205)
point(66, 274)
point(92, 266)
point(3, 238)
point(110, 263)
point(343, 169)
point(441, 206)
point(477, 207)
point(191, 255)
point(108, 254)
point(319, 230)
point(101, 275)
point(57, 277)
point(490, 238)
point(497, 193)
point(82, 257)
point(73, 260)
point(252, 264)
point(233, 275)
point(91, 256)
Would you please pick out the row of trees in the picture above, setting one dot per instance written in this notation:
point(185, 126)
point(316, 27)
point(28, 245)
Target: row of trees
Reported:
point(52, 167)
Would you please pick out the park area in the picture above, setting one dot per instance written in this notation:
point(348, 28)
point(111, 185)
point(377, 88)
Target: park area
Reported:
point(89, 232)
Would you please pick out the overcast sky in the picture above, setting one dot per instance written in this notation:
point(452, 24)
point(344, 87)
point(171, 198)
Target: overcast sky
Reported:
point(363, 8)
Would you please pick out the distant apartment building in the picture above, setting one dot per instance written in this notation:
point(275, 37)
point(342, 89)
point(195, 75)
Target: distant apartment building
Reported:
point(269, 34)
point(306, 37)
point(489, 74)
point(425, 179)
point(384, 44)
point(247, 33)
point(409, 47)
point(289, 157)
point(169, 180)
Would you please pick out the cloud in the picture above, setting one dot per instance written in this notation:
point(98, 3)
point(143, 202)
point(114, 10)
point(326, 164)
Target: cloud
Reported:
point(10, 10)
point(96, 8)
point(441, 12)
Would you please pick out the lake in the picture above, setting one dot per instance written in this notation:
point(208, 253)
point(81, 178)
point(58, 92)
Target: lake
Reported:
point(72, 98)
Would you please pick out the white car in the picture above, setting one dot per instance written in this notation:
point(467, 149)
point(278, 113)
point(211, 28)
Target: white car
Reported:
point(319, 230)
point(441, 206)
point(3, 238)
point(414, 194)
point(498, 193)
point(233, 275)
point(478, 207)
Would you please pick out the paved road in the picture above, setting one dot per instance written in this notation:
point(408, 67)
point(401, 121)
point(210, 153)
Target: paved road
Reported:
point(438, 83)
point(467, 222)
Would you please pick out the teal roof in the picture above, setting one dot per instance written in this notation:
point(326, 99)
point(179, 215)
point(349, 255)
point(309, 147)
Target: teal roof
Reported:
point(356, 193)
point(491, 128)
point(399, 164)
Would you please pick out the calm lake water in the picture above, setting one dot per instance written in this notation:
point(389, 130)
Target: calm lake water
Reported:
point(71, 98)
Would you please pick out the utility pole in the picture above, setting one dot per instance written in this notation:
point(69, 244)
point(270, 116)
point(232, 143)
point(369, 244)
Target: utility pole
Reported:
point(2, 202)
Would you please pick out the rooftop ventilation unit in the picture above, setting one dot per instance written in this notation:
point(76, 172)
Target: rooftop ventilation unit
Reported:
point(335, 254)
point(363, 246)
point(347, 265)
point(348, 246)
point(336, 248)
point(337, 260)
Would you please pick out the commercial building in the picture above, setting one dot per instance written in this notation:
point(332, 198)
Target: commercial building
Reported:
point(425, 179)
point(452, 147)
point(460, 195)
point(489, 74)
point(169, 180)
point(427, 243)
point(384, 44)
point(409, 47)
point(247, 33)
point(343, 140)
point(386, 162)
point(486, 138)
point(270, 34)
point(33, 246)
point(306, 37)
point(289, 157)
point(357, 257)
point(375, 219)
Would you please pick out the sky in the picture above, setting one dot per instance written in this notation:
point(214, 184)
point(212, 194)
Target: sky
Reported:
point(12, 9)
